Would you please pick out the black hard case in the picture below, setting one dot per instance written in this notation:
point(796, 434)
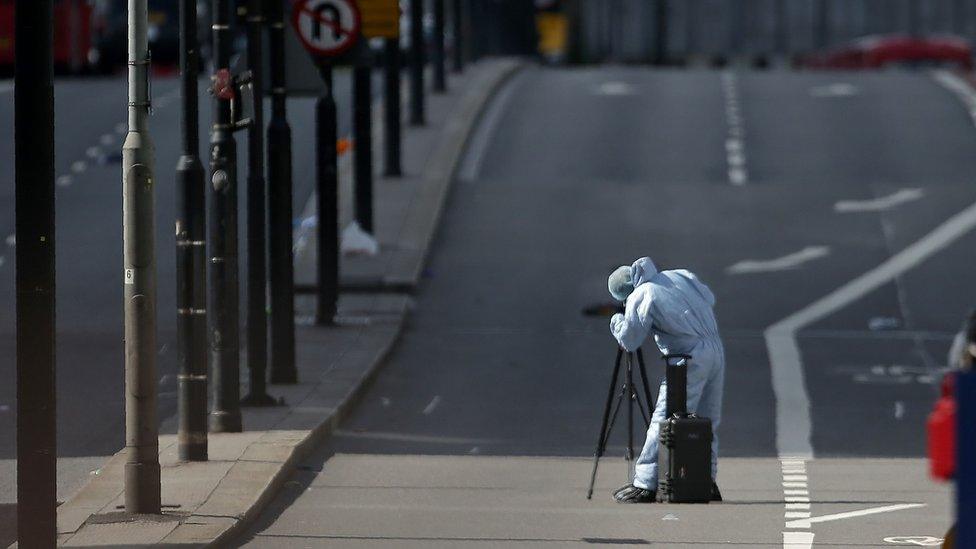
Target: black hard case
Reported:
point(685, 450)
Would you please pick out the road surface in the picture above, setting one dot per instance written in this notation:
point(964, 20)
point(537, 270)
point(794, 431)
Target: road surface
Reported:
point(778, 189)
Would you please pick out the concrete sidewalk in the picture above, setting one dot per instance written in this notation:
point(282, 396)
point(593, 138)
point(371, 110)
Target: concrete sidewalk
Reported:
point(207, 503)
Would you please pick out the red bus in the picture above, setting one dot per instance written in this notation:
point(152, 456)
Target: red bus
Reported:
point(72, 34)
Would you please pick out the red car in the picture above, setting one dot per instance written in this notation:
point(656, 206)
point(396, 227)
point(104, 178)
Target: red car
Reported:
point(875, 52)
point(72, 34)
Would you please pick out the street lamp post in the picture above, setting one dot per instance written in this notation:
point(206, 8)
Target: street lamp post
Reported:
point(191, 255)
point(34, 203)
point(142, 489)
point(223, 284)
point(281, 269)
point(257, 317)
point(327, 188)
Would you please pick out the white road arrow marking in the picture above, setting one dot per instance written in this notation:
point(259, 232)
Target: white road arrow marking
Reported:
point(879, 204)
point(853, 514)
point(784, 263)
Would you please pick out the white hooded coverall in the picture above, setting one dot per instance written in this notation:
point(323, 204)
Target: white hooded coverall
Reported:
point(677, 308)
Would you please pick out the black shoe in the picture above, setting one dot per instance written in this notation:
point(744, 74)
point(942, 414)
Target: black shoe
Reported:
point(716, 495)
point(622, 489)
point(633, 494)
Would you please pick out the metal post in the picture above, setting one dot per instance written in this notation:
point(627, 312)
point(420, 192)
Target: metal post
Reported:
point(821, 22)
point(327, 191)
point(142, 490)
point(417, 63)
point(914, 18)
point(34, 198)
point(661, 35)
point(965, 393)
point(281, 271)
point(457, 51)
point(782, 23)
point(363, 151)
point(391, 108)
point(222, 281)
point(440, 79)
point(960, 13)
point(191, 255)
point(257, 283)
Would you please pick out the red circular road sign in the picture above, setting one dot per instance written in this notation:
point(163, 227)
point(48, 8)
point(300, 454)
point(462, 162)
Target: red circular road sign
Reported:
point(326, 28)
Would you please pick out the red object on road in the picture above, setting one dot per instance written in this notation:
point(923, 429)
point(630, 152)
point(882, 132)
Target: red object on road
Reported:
point(942, 434)
point(875, 52)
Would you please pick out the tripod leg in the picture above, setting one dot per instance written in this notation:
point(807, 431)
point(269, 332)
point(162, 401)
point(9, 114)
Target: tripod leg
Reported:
point(604, 433)
point(629, 393)
point(645, 414)
point(645, 381)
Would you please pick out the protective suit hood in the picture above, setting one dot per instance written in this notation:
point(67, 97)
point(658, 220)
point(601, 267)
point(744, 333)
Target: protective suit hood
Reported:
point(642, 270)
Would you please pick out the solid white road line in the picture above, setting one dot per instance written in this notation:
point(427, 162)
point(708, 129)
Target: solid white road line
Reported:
point(784, 263)
point(879, 204)
point(789, 385)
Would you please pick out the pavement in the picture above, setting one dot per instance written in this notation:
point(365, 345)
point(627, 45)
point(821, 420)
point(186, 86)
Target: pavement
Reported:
point(830, 213)
point(204, 501)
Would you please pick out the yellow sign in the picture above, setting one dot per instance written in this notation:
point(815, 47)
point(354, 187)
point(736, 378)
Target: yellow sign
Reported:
point(381, 18)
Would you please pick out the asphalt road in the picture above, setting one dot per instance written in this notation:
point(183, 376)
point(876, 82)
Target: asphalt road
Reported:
point(90, 128)
point(776, 188)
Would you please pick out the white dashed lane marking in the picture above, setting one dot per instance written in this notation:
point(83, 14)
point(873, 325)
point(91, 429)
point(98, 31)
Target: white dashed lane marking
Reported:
point(11, 240)
point(64, 180)
point(79, 166)
point(734, 146)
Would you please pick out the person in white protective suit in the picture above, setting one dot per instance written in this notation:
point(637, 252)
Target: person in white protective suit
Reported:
point(676, 308)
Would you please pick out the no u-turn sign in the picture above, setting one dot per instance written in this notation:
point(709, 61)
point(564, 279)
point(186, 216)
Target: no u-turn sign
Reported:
point(326, 28)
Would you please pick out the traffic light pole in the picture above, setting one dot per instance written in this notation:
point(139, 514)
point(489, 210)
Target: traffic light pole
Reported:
point(327, 188)
point(281, 271)
point(34, 203)
point(417, 117)
point(257, 284)
point(142, 489)
point(223, 285)
point(191, 255)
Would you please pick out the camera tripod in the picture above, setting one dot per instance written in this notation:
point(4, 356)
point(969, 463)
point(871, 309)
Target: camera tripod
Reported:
point(612, 408)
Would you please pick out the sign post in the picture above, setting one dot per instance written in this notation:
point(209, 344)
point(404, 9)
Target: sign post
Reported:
point(381, 19)
point(327, 29)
